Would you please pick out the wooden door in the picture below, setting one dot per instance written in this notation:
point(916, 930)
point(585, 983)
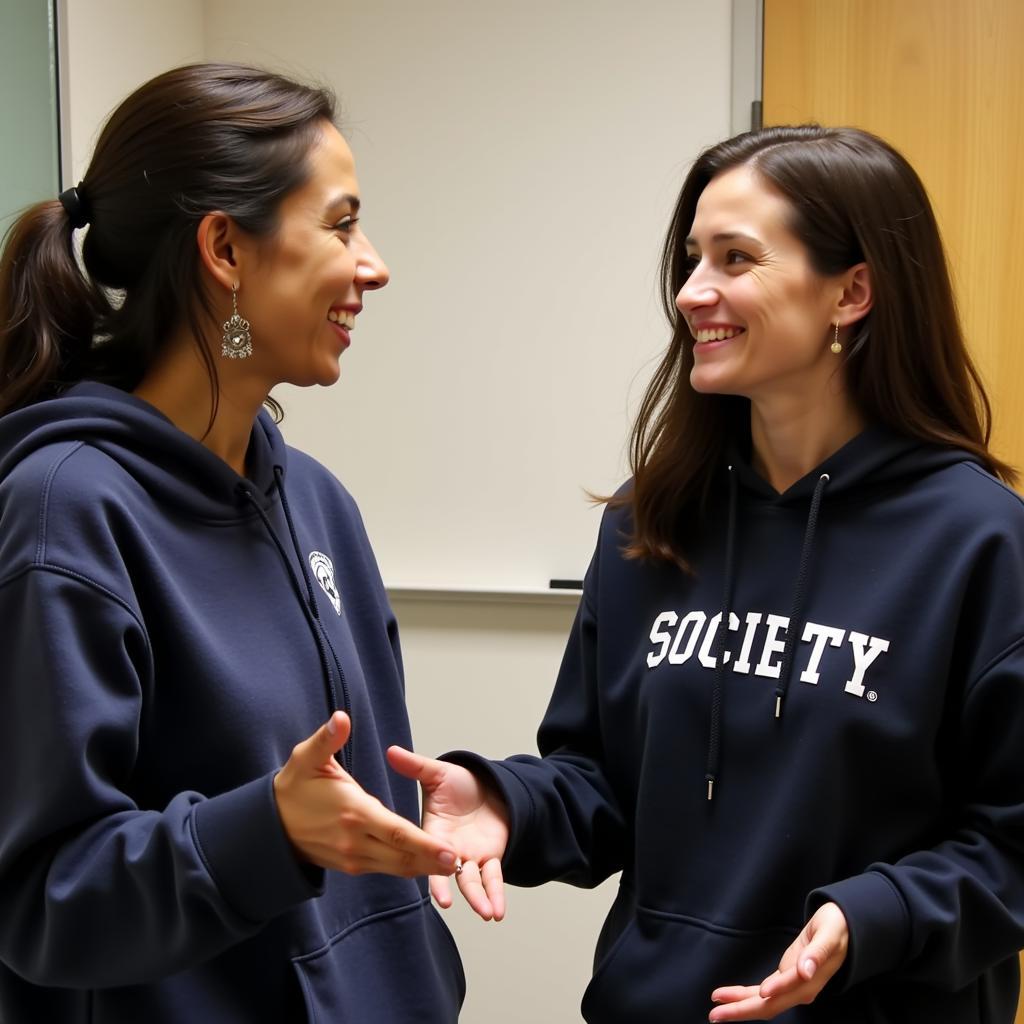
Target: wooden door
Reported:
point(943, 80)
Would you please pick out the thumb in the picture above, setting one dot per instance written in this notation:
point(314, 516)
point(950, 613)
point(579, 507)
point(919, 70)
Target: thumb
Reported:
point(424, 770)
point(828, 935)
point(817, 952)
point(326, 741)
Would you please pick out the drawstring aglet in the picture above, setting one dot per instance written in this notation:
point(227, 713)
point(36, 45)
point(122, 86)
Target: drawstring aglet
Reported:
point(778, 705)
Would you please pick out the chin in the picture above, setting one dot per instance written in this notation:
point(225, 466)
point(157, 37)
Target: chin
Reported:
point(322, 376)
point(711, 383)
point(329, 376)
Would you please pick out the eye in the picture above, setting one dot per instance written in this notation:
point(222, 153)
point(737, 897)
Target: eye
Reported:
point(734, 256)
point(346, 225)
point(690, 264)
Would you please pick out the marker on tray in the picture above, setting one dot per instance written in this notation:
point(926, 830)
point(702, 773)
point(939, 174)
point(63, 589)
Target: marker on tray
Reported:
point(565, 584)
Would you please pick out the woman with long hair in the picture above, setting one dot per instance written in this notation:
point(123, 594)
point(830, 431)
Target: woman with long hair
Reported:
point(792, 707)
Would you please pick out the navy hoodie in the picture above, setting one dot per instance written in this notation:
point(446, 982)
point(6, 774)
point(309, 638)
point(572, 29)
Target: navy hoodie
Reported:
point(872, 755)
point(169, 631)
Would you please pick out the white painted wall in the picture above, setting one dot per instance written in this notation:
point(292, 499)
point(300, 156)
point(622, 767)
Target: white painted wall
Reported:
point(110, 48)
point(518, 163)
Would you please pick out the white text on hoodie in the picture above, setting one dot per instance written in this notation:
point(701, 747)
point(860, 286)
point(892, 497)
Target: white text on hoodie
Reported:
point(677, 639)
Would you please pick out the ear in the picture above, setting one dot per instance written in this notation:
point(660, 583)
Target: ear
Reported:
point(857, 296)
point(217, 237)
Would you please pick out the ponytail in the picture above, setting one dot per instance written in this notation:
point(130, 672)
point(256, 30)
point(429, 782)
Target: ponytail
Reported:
point(194, 139)
point(48, 308)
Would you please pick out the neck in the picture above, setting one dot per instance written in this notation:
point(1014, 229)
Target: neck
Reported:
point(789, 439)
point(179, 386)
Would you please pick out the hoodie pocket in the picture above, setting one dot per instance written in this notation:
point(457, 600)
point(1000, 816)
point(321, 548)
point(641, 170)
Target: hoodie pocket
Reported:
point(663, 968)
point(396, 967)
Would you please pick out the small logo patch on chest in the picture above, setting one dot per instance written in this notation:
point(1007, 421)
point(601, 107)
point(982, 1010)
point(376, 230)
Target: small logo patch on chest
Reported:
point(323, 570)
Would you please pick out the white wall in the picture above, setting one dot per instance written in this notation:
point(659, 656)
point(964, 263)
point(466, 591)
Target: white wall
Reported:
point(113, 46)
point(534, 237)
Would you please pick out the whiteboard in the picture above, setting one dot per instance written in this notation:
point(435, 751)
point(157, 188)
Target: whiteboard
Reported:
point(518, 165)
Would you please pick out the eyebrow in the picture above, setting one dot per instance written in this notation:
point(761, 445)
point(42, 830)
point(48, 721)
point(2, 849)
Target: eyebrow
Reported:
point(726, 236)
point(344, 199)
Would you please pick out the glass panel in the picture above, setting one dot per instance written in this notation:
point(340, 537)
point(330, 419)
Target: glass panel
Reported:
point(29, 147)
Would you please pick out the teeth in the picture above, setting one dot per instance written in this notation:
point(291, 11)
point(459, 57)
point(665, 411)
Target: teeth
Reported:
point(717, 334)
point(343, 317)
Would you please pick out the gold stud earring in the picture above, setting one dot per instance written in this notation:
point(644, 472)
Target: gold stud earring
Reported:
point(836, 345)
point(236, 341)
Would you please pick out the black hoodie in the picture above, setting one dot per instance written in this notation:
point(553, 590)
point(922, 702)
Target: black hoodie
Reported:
point(872, 755)
point(169, 631)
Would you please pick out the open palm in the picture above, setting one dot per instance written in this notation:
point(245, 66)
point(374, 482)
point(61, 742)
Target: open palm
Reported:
point(459, 810)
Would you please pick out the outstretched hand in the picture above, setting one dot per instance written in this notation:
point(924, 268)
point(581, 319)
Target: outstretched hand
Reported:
point(814, 956)
point(334, 823)
point(460, 810)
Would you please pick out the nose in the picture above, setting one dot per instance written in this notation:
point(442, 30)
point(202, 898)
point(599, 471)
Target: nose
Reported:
point(697, 291)
point(371, 271)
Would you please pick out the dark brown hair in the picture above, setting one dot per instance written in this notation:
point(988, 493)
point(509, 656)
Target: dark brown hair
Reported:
point(193, 140)
point(853, 199)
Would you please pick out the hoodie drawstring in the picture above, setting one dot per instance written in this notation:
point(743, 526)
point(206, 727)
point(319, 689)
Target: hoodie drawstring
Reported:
point(307, 599)
point(795, 621)
point(715, 733)
point(279, 479)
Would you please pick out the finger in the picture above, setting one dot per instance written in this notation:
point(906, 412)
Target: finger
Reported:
point(780, 983)
point(424, 770)
point(733, 993)
point(441, 890)
point(743, 1003)
point(748, 1009)
point(494, 886)
point(406, 845)
point(380, 858)
point(472, 889)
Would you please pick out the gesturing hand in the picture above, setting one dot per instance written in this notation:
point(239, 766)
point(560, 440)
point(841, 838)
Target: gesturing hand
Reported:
point(814, 956)
point(334, 823)
point(472, 818)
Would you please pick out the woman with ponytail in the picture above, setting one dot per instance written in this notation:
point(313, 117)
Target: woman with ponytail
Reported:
point(201, 669)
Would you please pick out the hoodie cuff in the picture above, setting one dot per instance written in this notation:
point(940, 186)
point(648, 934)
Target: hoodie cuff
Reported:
point(244, 846)
point(502, 781)
point(879, 925)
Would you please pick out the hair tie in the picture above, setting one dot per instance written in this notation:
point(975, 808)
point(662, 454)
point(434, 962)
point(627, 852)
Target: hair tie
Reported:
point(73, 201)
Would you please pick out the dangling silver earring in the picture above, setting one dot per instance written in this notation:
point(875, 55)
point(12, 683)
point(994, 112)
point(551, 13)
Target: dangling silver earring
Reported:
point(836, 345)
point(236, 341)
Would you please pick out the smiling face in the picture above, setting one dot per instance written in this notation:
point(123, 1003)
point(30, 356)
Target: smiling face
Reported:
point(759, 313)
point(302, 288)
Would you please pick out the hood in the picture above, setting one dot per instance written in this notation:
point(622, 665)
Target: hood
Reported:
point(181, 473)
point(175, 468)
point(875, 457)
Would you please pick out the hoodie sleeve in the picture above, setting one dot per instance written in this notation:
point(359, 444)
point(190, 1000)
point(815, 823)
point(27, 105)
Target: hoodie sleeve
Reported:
point(97, 891)
point(566, 823)
point(944, 915)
